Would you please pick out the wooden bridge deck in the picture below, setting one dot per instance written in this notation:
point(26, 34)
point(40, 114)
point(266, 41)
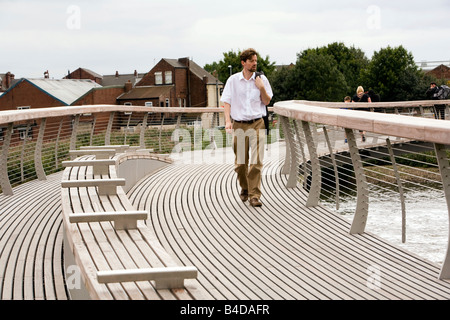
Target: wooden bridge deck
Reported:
point(283, 250)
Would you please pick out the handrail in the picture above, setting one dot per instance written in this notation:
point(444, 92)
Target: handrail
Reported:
point(390, 124)
point(53, 112)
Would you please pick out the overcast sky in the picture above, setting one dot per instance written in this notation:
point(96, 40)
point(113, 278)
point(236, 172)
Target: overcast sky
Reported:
point(117, 35)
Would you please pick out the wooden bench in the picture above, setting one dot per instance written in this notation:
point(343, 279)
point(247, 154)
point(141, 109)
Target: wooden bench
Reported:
point(117, 254)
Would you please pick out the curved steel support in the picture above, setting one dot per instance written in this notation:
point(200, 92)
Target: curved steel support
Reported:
point(444, 169)
point(22, 152)
point(4, 178)
point(73, 138)
point(38, 152)
point(127, 128)
point(293, 159)
point(160, 131)
point(314, 191)
point(109, 129)
point(302, 151)
point(362, 201)
point(142, 133)
point(333, 161)
point(91, 138)
point(400, 188)
point(58, 137)
point(287, 159)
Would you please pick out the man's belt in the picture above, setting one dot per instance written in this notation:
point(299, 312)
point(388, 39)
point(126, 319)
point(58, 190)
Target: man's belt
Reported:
point(247, 121)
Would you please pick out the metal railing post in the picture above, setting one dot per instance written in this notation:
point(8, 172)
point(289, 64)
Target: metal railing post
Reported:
point(333, 161)
point(299, 135)
point(73, 137)
point(362, 200)
point(444, 169)
point(400, 188)
point(142, 133)
point(38, 152)
point(287, 159)
point(4, 178)
point(314, 191)
point(109, 128)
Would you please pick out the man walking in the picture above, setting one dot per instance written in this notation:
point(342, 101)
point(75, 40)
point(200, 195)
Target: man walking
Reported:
point(245, 97)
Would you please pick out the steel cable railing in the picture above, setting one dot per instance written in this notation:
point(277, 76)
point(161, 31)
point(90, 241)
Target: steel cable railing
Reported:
point(395, 160)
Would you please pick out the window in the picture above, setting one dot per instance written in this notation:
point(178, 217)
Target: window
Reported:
point(158, 78)
point(149, 104)
point(23, 108)
point(167, 103)
point(168, 77)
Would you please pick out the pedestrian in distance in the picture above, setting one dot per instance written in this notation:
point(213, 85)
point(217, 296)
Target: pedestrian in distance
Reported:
point(361, 96)
point(432, 93)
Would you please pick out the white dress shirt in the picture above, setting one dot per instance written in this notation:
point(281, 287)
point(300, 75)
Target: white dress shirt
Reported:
point(244, 97)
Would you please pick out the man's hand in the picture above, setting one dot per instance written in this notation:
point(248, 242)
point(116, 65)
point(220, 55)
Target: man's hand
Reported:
point(259, 83)
point(228, 127)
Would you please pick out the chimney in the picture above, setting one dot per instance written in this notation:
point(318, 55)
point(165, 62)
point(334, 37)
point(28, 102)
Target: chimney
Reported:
point(46, 75)
point(8, 80)
point(184, 61)
point(128, 86)
point(135, 74)
point(117, 74)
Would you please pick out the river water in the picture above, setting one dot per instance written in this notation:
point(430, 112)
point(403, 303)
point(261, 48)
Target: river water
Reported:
point(427, 224)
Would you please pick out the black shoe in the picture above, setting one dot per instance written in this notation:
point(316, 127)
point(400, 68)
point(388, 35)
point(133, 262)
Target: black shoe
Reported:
point(244, 195)
point(254, 202)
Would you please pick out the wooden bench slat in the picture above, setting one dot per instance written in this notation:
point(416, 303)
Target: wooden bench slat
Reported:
point(92, 183)
point(165, 278)
point(123, 220)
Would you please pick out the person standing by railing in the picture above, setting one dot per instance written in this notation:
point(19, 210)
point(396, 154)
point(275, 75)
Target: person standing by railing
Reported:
point(245, 97)
point(439, 109)
point(361, 96)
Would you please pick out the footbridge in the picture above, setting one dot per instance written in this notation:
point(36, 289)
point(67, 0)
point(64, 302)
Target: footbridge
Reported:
point(126, 202)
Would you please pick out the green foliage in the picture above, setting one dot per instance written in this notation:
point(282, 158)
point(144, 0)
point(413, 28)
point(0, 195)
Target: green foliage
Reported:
point(393, 73)
point(329, 73)
point(318, 78)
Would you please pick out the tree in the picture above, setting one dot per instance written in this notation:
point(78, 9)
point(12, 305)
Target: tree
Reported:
point(318, 78)
point(393, 73)
point(231, 58)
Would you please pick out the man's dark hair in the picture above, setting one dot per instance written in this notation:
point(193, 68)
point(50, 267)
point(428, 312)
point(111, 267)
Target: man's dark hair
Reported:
point(248, 54)
point(433, 83)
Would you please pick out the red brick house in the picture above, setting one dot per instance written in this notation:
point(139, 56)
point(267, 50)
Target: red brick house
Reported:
point(116, 79)
point(44, 93)
point(175, 83)
point(441, 72)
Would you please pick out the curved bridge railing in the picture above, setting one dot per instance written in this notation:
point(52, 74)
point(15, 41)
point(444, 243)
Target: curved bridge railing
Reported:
point(403, 147)
point(34, 144)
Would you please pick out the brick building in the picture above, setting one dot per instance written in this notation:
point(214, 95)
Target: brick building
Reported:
point(44, 93)
point(116, 79)
point(175, 83)
point(7, 80)
point(441, 72)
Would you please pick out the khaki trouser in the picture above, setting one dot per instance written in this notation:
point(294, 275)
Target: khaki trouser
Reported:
point(248, 144)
